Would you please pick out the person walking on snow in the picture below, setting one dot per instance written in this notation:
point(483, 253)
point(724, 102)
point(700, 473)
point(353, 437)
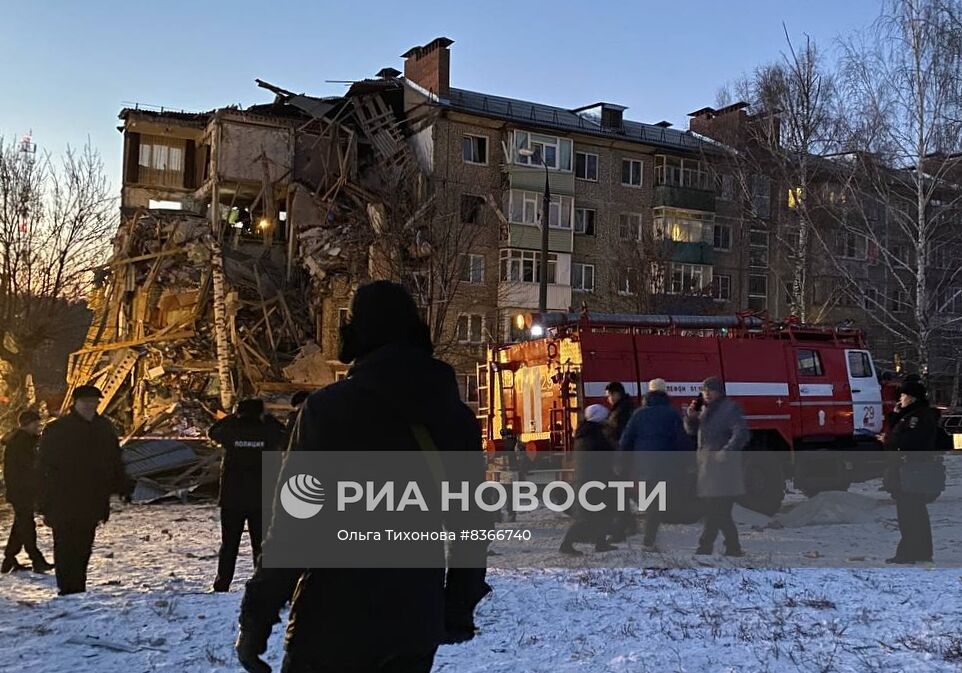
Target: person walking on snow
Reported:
point(21, 475)
point(594, 456)
point(719, 425)
point(653, 435)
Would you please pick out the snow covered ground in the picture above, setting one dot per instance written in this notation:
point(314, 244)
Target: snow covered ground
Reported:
point(152, 567)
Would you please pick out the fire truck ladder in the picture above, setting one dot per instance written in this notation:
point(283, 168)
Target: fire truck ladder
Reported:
point(484, 398)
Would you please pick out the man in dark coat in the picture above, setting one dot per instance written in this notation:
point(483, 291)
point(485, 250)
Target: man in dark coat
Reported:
point(594, 456)
point(244, 435)
point(913, 436)
point(375, 619)
point(722, 432)
point(20, 472)
point(650, 442)
point(81, 468)
point(620, 409)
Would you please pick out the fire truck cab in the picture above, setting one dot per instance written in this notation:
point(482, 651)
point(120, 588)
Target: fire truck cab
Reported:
point(805, 390)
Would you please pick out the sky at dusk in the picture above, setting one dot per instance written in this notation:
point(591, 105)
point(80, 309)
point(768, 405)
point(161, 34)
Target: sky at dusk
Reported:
point(71, 66)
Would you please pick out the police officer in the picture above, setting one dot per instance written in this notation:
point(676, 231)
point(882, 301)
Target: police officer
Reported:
point(245, 434)
point(81, 467)
point(22, 479)
point(914, 425)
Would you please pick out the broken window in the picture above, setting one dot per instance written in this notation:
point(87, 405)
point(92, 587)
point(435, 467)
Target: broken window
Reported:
point(474, 149)
point(471, 208)
point(161, 161)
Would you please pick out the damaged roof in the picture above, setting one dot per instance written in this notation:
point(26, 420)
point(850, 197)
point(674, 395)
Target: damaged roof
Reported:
point(561, 119)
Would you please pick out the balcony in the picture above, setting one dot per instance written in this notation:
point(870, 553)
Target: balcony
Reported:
point(687, 253)
point(688, 198)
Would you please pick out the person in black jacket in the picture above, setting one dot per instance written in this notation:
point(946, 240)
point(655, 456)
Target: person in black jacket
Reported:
point(375, 619)
point(621, 408)
point(594, 461)
point(20, 473)
point(244, 435)
point(80, 467)
point(913, 436)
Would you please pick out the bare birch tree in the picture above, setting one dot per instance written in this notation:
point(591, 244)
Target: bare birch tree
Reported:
point(903, 101)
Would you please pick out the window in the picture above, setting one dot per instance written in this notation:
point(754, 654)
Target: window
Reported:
point(722, 234)
point(859, 365)
point(470, 327)
point(471, 388)
point(525, 208)
point(721, 287)
point(900, 253)
point(524, 266)
point(950, 300)
point(474, 149)
point(680, 172)
point(554, 151)
point(627, 282)
point(471, 207)
point(870, 299)
point(757, 292)
point(514, 332)
point(629, 226)
point(726, 187)
point(758, 248)
point(683, 226)
point(586, 166)
point(583, 277)
point(852, 245)
point(161, 161)
point(898, 301)
point(761, 195)
point(631, 172)
point(340, 376)
point(585, 221)
point(689, 278)
point(809, 363)
point(472, 268)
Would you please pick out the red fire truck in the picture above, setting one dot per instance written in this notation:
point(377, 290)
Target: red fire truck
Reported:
point(811, 395)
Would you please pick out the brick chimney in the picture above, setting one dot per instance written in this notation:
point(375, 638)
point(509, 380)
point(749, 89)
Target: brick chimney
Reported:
point(430, 66)
point(724, 125)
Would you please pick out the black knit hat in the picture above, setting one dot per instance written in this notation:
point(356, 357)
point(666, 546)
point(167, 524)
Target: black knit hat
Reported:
point(913, 387)
point(382, 313)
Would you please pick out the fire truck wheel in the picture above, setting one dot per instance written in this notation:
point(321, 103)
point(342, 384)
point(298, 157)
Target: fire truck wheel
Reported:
point(764, 482)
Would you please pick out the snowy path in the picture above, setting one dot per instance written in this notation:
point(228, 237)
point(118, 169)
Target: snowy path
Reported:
point(153, 565)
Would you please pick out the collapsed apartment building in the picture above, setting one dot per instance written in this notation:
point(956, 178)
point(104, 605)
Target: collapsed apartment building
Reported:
point(243, 235)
